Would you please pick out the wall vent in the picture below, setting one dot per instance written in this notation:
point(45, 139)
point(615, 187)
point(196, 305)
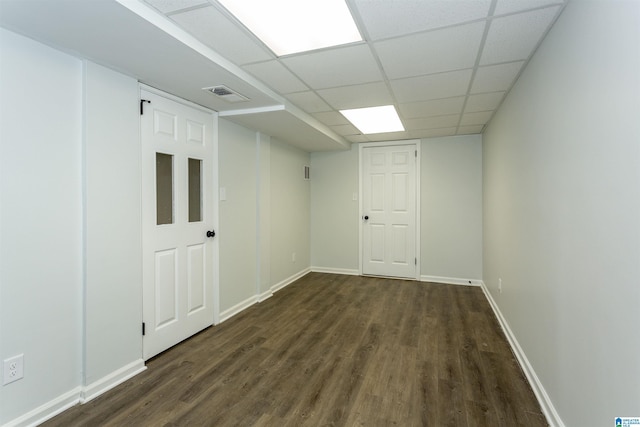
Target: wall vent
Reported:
point(307, 173)
point(226, 94)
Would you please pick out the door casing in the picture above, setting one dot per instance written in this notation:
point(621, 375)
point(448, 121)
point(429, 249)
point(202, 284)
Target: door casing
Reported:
point(361, 147)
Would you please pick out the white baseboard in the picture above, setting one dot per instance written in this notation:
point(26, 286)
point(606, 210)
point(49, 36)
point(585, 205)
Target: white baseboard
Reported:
point(115, 378)
point(241, 306)
point(265, 295)
point(451, 280)
point(47, 411)
point(553, 418)
point(330, 270)
point(289, 280)
point(77, 395)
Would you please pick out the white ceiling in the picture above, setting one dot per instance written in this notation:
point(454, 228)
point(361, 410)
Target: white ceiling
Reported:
point(445, 64)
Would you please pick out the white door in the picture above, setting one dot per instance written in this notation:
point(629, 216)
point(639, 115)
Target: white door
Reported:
point(177, 188)
point(389, 211)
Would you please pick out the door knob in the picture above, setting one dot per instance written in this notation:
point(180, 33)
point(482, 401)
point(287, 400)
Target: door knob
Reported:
point(366, 217)
point(211, 233)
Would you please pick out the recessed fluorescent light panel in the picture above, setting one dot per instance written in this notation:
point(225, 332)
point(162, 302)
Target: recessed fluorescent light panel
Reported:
point(292, 26)
point(375, 119)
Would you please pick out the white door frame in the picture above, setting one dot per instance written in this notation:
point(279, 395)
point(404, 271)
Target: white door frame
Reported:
point(215, 221)
point(361, 147)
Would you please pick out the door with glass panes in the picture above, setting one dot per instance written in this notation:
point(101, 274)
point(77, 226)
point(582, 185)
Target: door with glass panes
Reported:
point(177, 181)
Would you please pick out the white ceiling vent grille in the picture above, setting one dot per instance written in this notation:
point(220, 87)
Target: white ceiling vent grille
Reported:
point(226, 94)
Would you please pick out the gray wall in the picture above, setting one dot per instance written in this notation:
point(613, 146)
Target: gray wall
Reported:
point(290, 203)
point(451, 209)
point(334, 213)
point(40, 221)
point(238, 243)
point(112, 211)
point(562, 212)
point(265, 218)
point(70, 222)
point(70, 225)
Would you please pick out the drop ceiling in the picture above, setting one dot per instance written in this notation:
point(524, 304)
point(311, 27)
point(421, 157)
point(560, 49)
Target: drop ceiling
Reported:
point(445, 65)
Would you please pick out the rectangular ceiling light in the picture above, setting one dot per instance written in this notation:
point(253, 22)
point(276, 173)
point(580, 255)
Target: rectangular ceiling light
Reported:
point(292, 26)
point(375, 119)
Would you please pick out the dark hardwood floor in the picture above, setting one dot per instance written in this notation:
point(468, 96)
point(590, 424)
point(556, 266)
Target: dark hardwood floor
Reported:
point(333, 350)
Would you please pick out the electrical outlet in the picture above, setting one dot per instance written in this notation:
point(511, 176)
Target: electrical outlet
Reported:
point(500, 286)
point(13, 369)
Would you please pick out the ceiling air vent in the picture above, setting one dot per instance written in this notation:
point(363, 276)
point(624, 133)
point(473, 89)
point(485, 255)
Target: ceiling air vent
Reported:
point(226, 94)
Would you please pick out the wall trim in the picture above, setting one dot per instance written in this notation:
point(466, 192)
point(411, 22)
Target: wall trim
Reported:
point(108, 382)
point(243, 305)
point(329, 270)
point(289, 280)
point(239, 307)
point(451, 280)
point(549, 411)
point(48, 410)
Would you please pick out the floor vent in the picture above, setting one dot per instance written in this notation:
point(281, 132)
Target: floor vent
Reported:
point(226, 94)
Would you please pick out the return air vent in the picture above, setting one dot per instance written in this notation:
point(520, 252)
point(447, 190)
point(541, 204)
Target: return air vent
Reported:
point(226, 94)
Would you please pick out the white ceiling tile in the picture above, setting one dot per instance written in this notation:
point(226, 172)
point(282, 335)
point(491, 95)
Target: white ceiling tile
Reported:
point(437, 107)
point(357, 96)
point(432, 133)
point(432, 122)
point(515, 37)
point(168, 6)
point(480, 118)
point(495, 78)
point(483, 102)
point(331, 118)
point(214, 29)
point(345, 130)
point(435, 86)
point(511, 6)
point(276, 75)
point(335, 67)
point(388, 136)
point(383, 19)
point(308, 101)
point(441, 50)
point(468, 130)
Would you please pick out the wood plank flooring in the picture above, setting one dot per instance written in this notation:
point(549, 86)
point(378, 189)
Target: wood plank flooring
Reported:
point(333, 350)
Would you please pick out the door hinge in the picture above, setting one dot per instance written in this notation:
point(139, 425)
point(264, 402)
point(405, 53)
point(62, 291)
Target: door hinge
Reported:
point(142, 101)
point(143, 329)
point(416, 153)
point(415, 261)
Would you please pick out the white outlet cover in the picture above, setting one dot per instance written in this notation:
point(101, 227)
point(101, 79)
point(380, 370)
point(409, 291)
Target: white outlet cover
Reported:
point(12, 369)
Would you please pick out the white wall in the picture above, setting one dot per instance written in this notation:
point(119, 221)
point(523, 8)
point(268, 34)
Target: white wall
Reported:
point(40, 221)
point(451, 208)
point(237, 234)
point(562, 212)
point(113, 235)
point(334, 213)
point(290, 203)
point(70, 224)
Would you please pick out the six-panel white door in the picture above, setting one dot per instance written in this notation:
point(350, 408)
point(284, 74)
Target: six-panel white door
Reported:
point(389, 211)
point(177, 181)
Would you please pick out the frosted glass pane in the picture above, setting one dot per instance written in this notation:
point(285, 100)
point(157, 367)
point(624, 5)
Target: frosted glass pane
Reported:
point(164, 188)
point(195, 190)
